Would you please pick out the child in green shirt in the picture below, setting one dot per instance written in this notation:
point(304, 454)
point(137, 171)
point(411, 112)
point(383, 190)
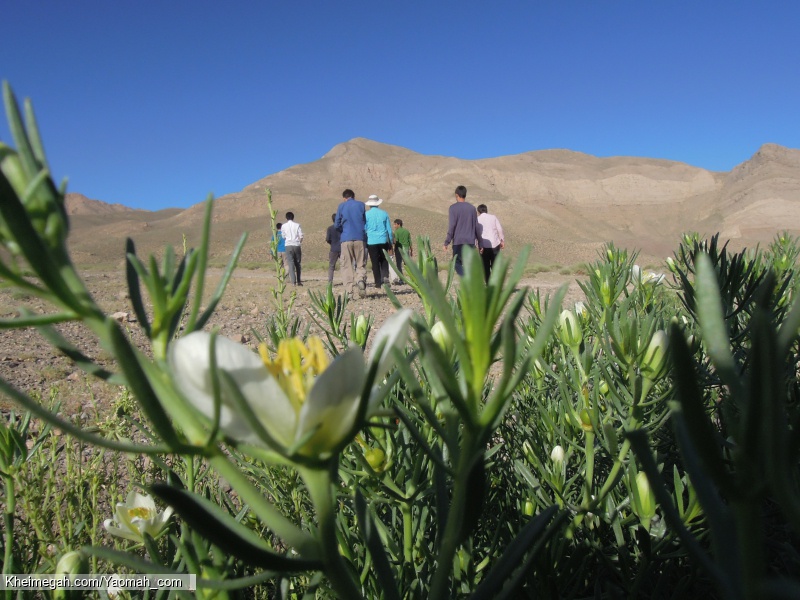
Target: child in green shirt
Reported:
point(402, 240)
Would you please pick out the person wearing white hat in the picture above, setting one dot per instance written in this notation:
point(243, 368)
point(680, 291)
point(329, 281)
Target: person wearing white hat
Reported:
point(379, 239)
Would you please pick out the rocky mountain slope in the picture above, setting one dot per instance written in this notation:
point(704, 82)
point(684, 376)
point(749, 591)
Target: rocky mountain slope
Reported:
point(565, 204)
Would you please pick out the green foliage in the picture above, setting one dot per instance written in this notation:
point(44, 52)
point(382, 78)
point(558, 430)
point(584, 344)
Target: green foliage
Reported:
point(642, 443)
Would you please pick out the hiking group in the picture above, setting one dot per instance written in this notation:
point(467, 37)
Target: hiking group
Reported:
point(363, 229)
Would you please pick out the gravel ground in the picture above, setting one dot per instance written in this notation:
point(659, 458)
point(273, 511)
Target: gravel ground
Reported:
point(30, 364)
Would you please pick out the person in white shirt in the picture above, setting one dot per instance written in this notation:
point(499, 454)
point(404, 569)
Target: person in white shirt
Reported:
point(293, 236)
point(492, 239)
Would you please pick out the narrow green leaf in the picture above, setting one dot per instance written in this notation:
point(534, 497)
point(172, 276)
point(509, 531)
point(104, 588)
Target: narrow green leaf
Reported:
point(37, 147)
point(434, 454)
point(226, 276)
point(134, 562)
point(369, 531)
point(139, 383)
point(37, 409)
point(492, 587)
point(703, 435)
point(83, 362)
point(712, 323)
point(18, 133)
point(133, 267)
point(33, 248)
point(37, 320)
point(202, 263)
point(641, 447)
point(790, 327)
point(220, 529)
point(272, 517)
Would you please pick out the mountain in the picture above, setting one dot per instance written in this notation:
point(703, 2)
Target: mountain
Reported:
point(565, 204)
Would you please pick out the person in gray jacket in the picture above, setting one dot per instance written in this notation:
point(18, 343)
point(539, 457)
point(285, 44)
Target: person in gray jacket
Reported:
point(462, 227)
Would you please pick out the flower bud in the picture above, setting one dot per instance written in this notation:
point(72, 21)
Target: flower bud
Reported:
point(636, 275)
point(655, 357)
point(527, 451)
point(647, 503)
point(360, 331)
point(527, 509)
point(586, 421)
point(376, 458)
point(72, 563)
point(605, 292)
point(557, 454)
point(442, 338)
point(569, 330)
point(645, 495)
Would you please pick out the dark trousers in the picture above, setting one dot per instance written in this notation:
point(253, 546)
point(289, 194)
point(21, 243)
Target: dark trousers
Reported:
point(398, 259)
point(457, 248)
point(380, 266)
point(293, 258)
point(488, 255)
point(333, 257)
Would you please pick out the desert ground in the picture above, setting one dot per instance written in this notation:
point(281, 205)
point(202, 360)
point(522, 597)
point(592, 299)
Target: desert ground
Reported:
point(31, 365)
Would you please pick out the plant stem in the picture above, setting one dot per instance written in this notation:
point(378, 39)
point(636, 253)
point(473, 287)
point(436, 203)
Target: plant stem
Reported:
point(589, 450)
point(407, 532)
point(455, 517)
point(336, 569)
point(8, 524)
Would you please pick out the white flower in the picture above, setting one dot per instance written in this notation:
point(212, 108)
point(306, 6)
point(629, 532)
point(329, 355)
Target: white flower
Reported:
point(654, 361)
point(114, 589)
point(442, 338)
point(303, 403)
point(569, 330)
point(580, 309)
point(653, 278)
point(137, 516)
point(557, 454)
point(636, 274)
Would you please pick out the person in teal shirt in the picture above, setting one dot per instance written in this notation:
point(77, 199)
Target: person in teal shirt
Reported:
point(379, 240)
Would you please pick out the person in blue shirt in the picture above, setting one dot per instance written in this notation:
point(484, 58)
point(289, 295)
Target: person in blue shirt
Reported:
point(379, 240)
point(350, 221)
point(281, 248)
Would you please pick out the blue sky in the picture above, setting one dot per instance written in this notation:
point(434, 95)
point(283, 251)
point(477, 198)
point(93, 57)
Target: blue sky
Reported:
point(156, 104)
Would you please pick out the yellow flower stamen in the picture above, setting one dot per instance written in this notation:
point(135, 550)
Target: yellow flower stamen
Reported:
point(140, 511)
point(296, 365)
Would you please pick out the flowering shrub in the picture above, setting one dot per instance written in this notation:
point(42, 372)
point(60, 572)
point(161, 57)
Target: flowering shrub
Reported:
point(493, 446)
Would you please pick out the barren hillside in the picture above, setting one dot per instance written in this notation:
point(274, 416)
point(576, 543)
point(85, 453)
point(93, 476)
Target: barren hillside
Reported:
point(565, 204)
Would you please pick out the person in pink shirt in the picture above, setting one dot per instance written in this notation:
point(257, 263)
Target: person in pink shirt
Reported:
point(492, 239)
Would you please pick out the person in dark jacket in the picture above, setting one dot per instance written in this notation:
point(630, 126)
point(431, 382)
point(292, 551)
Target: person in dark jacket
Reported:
point(462, 227)
point(333, 237)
